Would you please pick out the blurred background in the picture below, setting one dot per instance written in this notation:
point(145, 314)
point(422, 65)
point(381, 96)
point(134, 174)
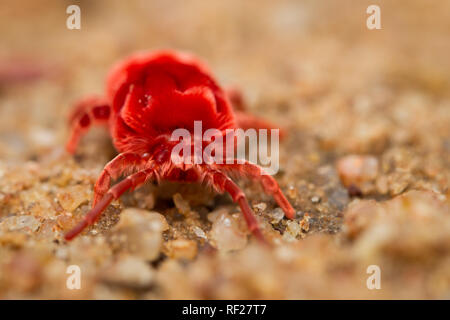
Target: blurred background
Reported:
point(313, 67)
point(304, 50)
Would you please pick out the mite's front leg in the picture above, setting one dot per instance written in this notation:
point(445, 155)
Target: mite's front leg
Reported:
point(87, 112)
point(131, 182)
point(125, 163)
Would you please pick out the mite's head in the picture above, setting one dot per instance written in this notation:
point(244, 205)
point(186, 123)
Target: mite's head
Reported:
point(158, 92)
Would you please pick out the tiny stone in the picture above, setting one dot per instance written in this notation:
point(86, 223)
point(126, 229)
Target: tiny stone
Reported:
point(181, 204)
point(357, 169)
point(304, 223)
point(129, 271)
point(293, 228)
point(143, 231)
point(287, 236)
point(260, 206)
point(182, 249)
point(276, 216)
point(226, 233)
point(212, 216)
point(292, 192)
point(199, 232)
point(72, 197)
point(150, 220)
point(315, 199)
point(26, 223)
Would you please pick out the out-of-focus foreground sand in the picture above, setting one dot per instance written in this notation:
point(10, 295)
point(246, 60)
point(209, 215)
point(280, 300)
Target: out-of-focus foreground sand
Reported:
point(311, 66)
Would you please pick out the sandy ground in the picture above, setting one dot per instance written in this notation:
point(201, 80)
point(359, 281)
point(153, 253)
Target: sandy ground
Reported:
point(365, 164)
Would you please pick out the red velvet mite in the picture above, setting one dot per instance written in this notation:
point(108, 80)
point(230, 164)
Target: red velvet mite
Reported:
point(148, 96)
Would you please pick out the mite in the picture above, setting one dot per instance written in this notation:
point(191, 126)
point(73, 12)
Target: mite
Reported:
point(148, 96)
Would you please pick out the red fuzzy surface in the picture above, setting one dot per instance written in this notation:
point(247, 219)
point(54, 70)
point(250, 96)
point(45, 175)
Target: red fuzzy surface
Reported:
point(154, 93)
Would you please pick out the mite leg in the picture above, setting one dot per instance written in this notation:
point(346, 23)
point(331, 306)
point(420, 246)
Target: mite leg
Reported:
point(131, 182)
point(123, 164)
point(236, 98)
point(223, 183)
point(89, 111)
point(268, 183)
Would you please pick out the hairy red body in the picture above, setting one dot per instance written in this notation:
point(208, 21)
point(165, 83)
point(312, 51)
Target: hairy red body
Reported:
point(148, 96)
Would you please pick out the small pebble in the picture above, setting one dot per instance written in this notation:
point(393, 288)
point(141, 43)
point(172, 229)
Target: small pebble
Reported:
point(304, 223)
point(226, 233)
point(72, 197)
point(276, 215)
point(357, 169)
point(199, 232)
point(181, 204)
point(292, 192)
point(293, 228)
point(129, 271)
point(181, 249)
point(143, 231)
point(25, 222)
point(260, 206)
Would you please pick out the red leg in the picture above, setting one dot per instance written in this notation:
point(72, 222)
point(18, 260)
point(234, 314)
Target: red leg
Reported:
point(124, 163)
point(236, 98)
point(131, 182)
point(89, 111)
point(268, 183)
point(223, 183)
